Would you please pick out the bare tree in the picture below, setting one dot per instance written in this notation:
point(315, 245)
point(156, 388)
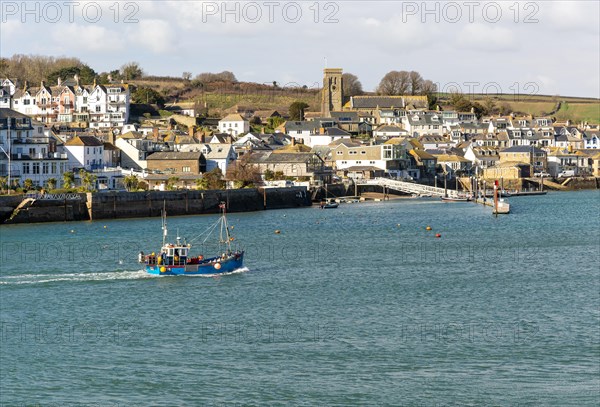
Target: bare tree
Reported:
point(416, 82)
point(394, 83)
point(187, 76)
point(243, 172)
point(351, 86)
point(428, 87)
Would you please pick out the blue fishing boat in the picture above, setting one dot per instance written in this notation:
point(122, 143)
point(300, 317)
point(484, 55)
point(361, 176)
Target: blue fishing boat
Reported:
point(176, 258)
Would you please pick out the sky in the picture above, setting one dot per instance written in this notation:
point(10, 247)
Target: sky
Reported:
point(523, 48)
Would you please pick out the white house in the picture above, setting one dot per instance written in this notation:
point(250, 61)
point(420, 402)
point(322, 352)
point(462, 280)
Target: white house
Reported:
point(217, 155)
point(27, 151)
point(85, 152)
point(389, 131)
point(234, 124)
point(421, 124)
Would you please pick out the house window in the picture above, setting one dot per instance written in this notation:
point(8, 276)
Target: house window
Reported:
point(53, 170)
point(25, 168)
point(186, 169)
point(45, 168)
point(97, 108)
point(363, 152)
point(36, 168)
point(340, 153)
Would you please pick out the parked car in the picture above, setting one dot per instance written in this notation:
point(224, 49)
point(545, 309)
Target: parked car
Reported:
point(542, 174)
point(566, 173)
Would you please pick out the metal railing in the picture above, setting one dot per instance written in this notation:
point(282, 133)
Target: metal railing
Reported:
point(409, 187)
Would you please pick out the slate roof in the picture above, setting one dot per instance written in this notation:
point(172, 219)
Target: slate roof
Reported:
point(175, 155)
point(88, 141)
point(523, 149)
point(386, 102)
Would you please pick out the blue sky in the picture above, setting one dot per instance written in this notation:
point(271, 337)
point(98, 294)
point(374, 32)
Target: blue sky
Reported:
point(545, 47)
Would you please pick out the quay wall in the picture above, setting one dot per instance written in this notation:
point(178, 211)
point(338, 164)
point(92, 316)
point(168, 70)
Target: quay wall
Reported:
point(122, 205)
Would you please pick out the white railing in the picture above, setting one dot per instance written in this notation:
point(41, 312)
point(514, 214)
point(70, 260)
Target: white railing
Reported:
point(409, 187)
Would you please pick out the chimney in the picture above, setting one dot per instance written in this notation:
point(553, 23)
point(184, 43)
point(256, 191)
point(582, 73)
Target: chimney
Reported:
point(58, 81)
point(94, 84)
point(472, 110)
point(262, 130)
point(293, 141)
point(155, 133)
point(229, 139)
point(202, 138)
point(43, 84)
point(191, 131)
point(321, 130)
point(76, 78)
point(25, 86)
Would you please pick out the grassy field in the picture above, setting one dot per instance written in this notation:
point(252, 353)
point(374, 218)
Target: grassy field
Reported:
point(578, 112)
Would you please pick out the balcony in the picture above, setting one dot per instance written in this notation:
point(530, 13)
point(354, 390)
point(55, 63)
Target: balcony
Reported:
point(67, 104)
point(47, 104)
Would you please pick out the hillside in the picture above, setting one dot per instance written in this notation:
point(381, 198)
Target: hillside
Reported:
point(220, 96)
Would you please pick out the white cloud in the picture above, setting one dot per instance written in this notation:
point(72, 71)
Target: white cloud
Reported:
point(156, 36)
point(75, 39)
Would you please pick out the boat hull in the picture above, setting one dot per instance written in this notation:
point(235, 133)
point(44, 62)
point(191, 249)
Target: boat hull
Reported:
point(207, 267)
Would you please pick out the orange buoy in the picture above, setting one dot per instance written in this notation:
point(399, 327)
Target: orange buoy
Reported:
point(428, 228)
point(218, 266)
point(438, 235)
point(277, 231)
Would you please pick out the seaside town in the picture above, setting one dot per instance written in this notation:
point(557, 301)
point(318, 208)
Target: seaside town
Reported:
point(67, 136)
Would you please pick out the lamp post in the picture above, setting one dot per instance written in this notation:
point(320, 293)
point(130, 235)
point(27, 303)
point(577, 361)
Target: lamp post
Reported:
point(435, 181)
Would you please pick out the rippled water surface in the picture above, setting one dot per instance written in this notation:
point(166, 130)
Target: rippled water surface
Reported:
point(360, 305)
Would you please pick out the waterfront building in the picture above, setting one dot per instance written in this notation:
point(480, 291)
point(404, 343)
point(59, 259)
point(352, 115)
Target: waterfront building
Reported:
point(28, 151)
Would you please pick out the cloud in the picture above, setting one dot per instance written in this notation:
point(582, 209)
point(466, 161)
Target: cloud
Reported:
point(156, 36)
point(76, 38)
point(486, 37)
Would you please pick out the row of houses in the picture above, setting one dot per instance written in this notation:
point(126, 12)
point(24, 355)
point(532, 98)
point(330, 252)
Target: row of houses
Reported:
point(447, 144)
point(95, 106)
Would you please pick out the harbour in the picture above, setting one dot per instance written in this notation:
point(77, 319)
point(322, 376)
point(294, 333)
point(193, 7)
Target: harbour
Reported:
point(358, 305)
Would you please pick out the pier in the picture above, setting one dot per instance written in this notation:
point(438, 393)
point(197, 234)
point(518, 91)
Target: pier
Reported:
point(410, 187)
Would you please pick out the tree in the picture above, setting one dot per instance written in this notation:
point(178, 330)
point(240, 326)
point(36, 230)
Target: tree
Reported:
point(208, 77)
point(130, 182)
point(85, 73)
point(275, 121)
point(212, 179)
point(186, 76)
point(428, 87)
point(51, 183)
point(394, 83)
point(269, 175)
point(88, 180)
point(68, 179)
point(459, 102)
point(243, 172)
point(171, 182)
point(296, 110)
point(28, 184)
point(351, 86)
point(489, 105)
point(149, 96)
point(131, 70)
point(416, 82)
point(3, 183)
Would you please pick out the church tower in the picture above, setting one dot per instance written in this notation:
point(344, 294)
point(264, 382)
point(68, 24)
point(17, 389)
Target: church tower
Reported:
point(332, 91)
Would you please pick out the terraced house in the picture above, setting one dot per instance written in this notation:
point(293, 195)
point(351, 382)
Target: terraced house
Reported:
point(99, 106)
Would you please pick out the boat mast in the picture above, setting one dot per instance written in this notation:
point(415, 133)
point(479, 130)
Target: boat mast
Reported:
point(164, 222)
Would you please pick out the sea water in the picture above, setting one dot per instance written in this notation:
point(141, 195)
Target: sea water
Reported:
point(359, 305)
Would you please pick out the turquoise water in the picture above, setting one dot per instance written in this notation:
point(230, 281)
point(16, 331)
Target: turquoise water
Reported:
point(354, 306)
